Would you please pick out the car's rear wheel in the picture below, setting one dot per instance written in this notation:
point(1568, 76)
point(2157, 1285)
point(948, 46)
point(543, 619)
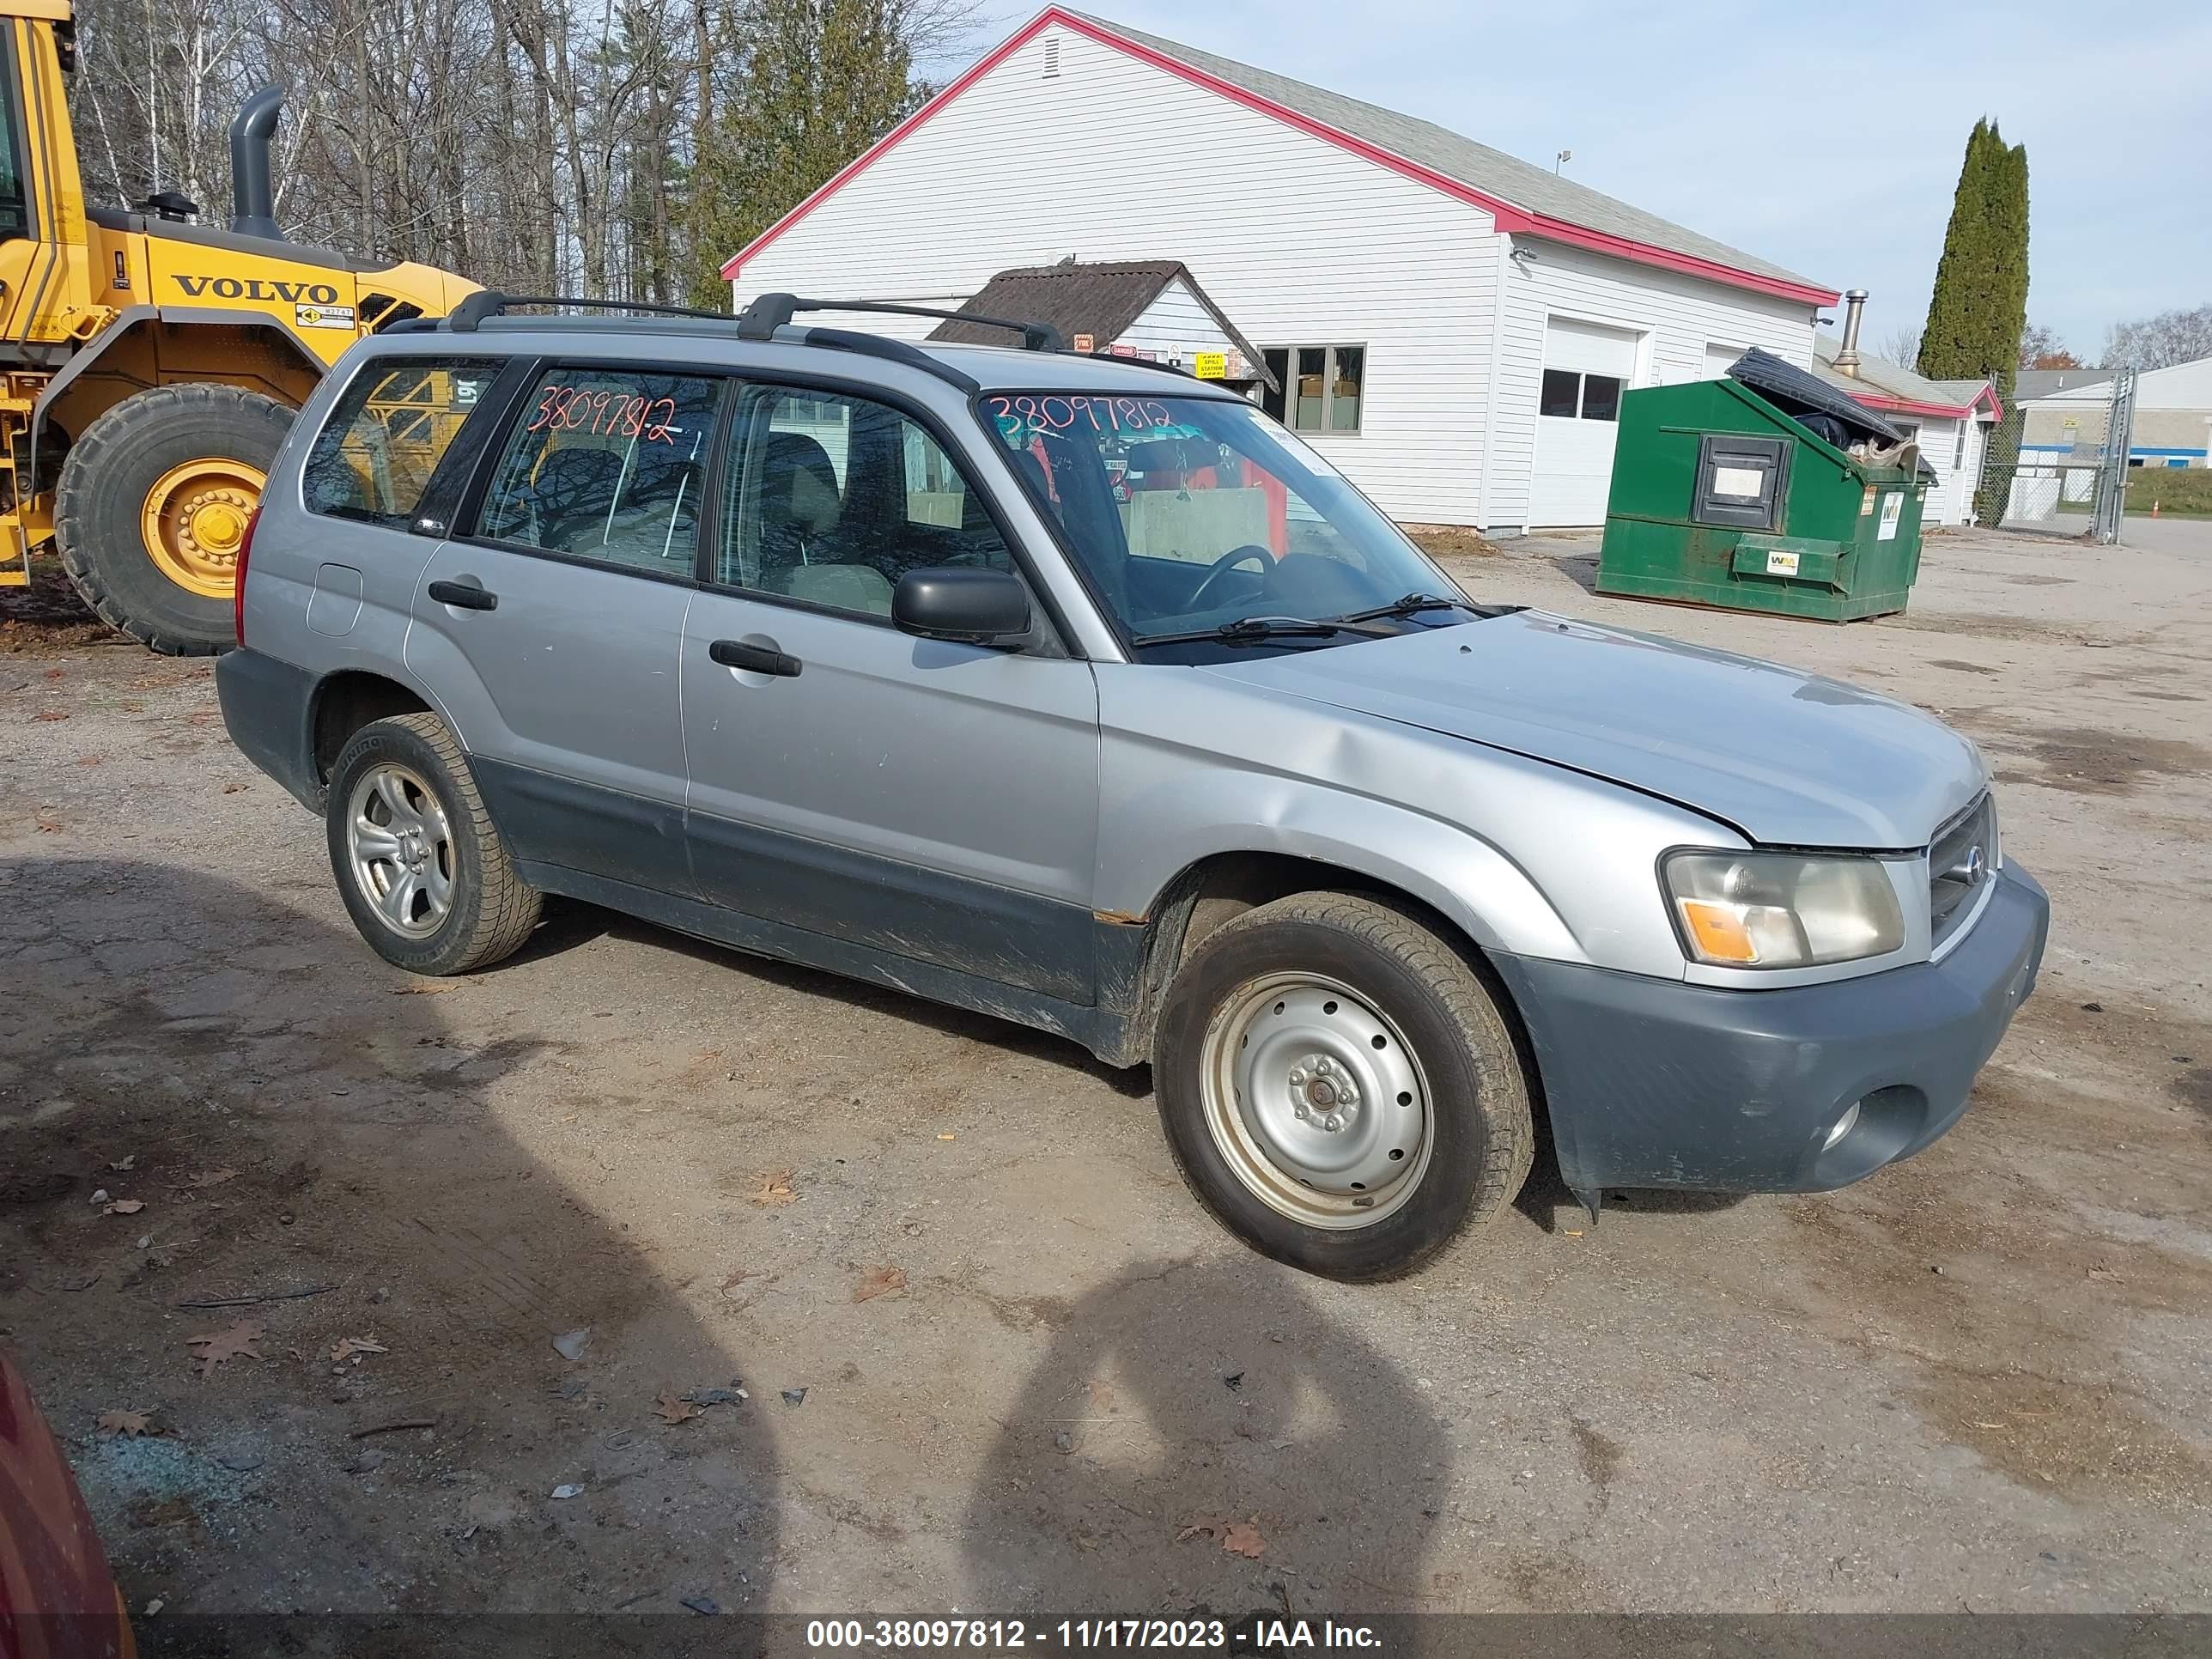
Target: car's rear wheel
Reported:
point(1339, 1087)
point(419, 862)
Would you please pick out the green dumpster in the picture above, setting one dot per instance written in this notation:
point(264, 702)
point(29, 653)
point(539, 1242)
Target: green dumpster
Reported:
point(1769, 490)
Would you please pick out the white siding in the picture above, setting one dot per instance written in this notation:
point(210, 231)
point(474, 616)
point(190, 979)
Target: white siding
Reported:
point(1297, 240)
point(1175, 325)
point(1676, 317)
point(1939, 444)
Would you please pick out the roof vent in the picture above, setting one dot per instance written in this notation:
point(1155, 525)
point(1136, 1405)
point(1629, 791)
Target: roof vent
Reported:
point(1051, 56)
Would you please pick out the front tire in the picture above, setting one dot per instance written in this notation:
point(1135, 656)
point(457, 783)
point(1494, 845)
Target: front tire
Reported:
point(1338, 1088)
point(419, 863)
point(152, 506)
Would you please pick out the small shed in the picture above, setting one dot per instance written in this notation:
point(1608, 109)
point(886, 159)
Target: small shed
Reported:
point(1150, 309)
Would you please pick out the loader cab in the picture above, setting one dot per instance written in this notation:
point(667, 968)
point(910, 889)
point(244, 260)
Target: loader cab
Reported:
point(45, 262)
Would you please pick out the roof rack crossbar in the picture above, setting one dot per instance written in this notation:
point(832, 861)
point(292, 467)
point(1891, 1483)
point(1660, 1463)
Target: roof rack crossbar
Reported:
point(770, 312)
point(896, 351)
point(465, 317)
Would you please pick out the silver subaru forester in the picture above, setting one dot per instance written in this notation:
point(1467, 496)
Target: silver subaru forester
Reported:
point(1078, 691)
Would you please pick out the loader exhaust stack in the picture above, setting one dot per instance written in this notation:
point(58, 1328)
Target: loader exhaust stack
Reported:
point(253, 199)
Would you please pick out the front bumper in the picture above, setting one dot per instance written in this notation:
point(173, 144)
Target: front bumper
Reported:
point(1656, 1083)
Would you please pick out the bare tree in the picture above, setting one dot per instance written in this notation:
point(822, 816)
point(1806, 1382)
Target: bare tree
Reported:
point(537, 145)
point(1901, 345)
point(2159, 342)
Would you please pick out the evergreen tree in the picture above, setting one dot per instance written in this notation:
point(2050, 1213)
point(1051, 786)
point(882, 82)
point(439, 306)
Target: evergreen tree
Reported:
point(819, 81)
point(1979, 310)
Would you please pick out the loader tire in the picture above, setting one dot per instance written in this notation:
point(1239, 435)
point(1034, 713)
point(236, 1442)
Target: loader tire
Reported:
point(152, 506)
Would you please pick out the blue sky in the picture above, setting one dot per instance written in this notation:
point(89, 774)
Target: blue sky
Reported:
point(1838, 158)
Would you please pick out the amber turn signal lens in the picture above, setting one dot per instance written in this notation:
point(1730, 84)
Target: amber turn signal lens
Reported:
point(1718, 931)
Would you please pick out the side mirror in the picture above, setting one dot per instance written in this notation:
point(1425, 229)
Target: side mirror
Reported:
point(957, 602)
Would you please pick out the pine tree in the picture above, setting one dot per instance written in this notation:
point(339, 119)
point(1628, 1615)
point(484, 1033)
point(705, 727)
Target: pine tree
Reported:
point(1979, 310)
point(820, 81)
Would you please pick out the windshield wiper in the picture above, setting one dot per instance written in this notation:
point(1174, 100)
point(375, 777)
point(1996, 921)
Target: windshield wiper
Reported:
point(1248, 629)
point(1408, 605)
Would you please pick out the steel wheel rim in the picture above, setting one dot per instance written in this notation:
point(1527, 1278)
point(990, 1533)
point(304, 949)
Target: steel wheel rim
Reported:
point(193, 522)
point(400, 849)
point(1307, 1107)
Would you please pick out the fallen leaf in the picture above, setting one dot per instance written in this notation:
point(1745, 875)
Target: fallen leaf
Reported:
point(212, 1177)
point(126, 1423)
point(424, 988)
point(774, 1188)
point(1243, 1538)
point(346, 1347)
point(672, 1411)
point(239, 1340)
point(1237, 1537)
point(51, 826)
point(124, 1162)
point(879, 1281)
point(125, 1206)
point(231, 788)
point(50, 714)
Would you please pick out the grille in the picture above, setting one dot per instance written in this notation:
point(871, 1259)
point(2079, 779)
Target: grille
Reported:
point(1961, 861)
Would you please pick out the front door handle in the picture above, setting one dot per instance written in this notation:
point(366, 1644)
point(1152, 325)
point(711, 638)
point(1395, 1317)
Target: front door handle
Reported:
point(755, 658)
point(465, 596)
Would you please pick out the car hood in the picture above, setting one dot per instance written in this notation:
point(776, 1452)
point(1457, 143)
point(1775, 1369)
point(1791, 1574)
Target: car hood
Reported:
point(1788, 759)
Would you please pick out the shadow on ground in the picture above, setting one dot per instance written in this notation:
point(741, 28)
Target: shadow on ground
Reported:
point(1202, 1436)
point(273, 1114)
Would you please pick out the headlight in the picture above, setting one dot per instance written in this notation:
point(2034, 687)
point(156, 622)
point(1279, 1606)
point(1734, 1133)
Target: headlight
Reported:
point(1781, 909)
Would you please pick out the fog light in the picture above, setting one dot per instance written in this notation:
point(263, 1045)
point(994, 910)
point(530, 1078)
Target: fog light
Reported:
point(1842, 1126)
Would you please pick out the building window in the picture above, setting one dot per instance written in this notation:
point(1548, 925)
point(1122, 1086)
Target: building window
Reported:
point(1322, 388)
point(1959, 450)
point(1568, 394)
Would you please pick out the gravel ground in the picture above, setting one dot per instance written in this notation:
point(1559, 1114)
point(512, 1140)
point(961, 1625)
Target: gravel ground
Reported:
point(1031, 1365)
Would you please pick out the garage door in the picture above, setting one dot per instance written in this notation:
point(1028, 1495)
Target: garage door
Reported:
point(1586, 368)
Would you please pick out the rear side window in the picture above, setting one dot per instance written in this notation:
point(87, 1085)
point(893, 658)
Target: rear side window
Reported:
point(607, 465)
point(374, 456)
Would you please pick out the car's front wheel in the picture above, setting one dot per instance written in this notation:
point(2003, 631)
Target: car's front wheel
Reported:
point(419, 862)
point(1339, 1087)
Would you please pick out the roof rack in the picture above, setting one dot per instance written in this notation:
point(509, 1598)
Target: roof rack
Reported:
point(466, 316)
point(771, 312)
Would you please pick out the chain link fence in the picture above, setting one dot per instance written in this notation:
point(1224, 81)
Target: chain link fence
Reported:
point(2060, 472)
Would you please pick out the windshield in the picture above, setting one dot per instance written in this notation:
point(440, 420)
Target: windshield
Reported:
point(1193, 514)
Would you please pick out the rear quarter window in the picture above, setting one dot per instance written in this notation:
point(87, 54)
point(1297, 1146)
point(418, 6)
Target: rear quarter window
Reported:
point(374, 456)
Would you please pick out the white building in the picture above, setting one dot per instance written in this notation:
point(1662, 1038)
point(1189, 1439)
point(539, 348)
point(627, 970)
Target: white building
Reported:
point(1455, 327)
point(2173, 426)
point(1950, 420)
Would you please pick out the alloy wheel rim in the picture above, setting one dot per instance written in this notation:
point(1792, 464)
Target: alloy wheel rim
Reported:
point(401, 850)
point(1316, 1100)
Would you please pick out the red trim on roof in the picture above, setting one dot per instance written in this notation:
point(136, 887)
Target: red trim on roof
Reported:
point(1907, 406)
point(1508, 217)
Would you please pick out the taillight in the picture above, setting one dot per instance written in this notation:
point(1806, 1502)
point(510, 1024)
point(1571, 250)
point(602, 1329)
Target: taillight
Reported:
point(238, 594)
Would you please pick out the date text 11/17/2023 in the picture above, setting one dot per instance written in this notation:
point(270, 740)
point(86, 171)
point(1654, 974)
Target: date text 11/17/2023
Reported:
point(1247, 1635)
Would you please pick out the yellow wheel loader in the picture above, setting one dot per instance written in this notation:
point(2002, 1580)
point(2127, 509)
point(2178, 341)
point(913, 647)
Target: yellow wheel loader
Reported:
point(148, 366)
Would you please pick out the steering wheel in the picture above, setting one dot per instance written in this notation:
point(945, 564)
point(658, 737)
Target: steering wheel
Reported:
point(1222, 566)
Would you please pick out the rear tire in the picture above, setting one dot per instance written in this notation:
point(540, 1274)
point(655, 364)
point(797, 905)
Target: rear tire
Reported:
point(203, 449)
point(419, 863)
point(1338, 1088)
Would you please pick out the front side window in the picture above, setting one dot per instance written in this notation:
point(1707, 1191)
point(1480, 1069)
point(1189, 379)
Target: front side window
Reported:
point(374, 456)
point(1318, 388)
point(1190, 513)
point(829, 500)
point(607, 465)
point(14, 198)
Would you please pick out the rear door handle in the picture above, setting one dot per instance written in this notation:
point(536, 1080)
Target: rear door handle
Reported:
point(465, 596)
point(756, 659)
